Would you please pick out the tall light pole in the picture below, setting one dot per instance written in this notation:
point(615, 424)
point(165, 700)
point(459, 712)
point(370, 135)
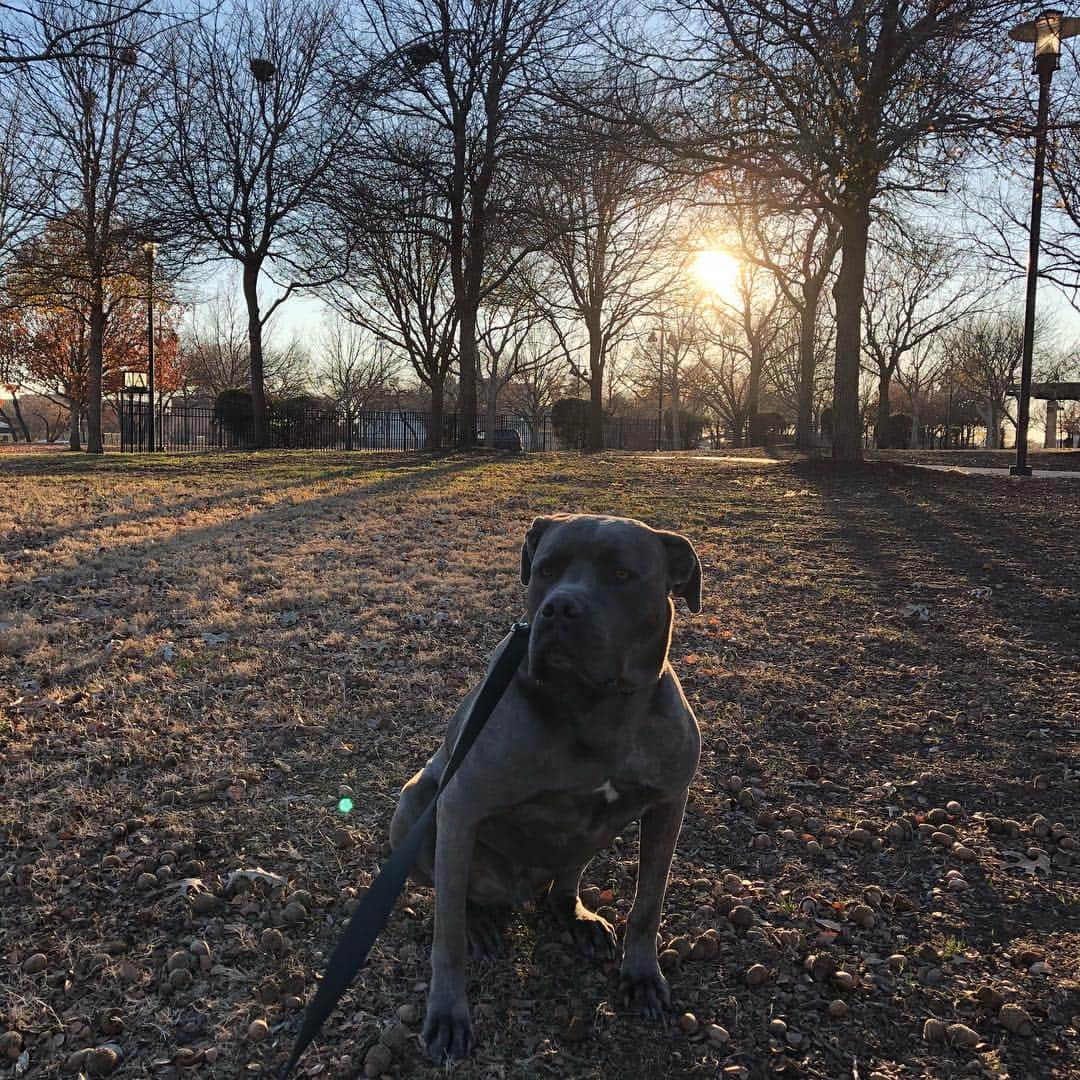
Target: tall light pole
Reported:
point(1046, 31)
point(150, 250)
point(660, 387)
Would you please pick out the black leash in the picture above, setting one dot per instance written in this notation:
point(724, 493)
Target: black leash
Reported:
point(371, 916)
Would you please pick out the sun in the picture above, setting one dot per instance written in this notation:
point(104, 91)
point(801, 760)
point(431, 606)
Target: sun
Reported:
point(717, 273)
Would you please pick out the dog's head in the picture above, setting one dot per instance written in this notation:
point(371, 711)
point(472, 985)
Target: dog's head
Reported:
point(599, 601)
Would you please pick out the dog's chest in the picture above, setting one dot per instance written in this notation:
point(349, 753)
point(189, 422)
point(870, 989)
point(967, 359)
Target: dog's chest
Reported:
point(557, 826)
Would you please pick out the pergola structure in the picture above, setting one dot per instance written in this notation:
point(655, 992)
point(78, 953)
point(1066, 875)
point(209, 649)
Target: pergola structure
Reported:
point(1052, 393)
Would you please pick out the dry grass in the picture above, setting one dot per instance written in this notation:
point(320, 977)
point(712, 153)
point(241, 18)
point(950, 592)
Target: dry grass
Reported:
point(199, 656)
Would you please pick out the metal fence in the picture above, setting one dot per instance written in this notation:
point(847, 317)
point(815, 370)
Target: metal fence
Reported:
point(182, 427)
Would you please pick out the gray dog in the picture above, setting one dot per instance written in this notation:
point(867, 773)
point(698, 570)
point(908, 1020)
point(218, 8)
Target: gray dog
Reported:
point(594, 732)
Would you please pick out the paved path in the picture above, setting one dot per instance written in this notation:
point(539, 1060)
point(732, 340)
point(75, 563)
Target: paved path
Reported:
point(972, 470)
point(966, 470)
point(730, 459)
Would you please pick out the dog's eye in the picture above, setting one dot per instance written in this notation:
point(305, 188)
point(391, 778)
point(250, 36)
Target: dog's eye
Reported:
point(546, 571)
point(622, 575)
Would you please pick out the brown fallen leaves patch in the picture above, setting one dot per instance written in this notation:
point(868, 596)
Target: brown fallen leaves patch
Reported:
point(215, 674)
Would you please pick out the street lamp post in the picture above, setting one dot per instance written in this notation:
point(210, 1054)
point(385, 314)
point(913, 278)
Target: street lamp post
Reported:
point(150, 250)
point(1046, 31)
point(660, 389)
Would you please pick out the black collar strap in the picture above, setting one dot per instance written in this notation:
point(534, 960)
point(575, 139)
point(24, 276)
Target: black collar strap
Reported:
point(371, 916)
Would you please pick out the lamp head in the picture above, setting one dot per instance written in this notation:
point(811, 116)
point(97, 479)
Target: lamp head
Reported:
point(1046, 32)
point(1048, 36)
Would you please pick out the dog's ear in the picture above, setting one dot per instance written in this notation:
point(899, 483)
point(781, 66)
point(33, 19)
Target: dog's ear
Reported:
point(537, 529)
point(684, 569)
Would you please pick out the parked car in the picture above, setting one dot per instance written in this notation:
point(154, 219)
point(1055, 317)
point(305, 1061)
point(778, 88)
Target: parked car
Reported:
point(505, 439)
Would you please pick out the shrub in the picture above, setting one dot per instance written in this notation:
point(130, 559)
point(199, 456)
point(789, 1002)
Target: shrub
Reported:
point(234, 410)
point(899, 432)
point(570, 419)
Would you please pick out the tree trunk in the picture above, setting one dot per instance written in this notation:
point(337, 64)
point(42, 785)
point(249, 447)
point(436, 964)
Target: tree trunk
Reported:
point(467, 382)
point(255, 351)
point(96, 357)
point(676, 425)
point(596, 385)
point(755, 436)
point(881, 428)
point(914, 443)
point(804, 427)
point(74, 437)
point(19, 416)
point(848, 294)
point(596, 413)
point(438, 408)
point(491, 412)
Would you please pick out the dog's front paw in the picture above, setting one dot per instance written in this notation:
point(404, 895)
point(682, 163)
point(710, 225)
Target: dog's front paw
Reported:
point(447, 1030)
point(645, 990)
point(593, 934)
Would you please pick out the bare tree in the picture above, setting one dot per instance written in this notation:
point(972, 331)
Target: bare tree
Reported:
point(511, 345)
point(214, 345)
point(797, 244)
point(913, 292)
point(250, 124)
point(1002, 212)
point(800, 250)
point(354, 366)
point(215, 351)
point(542, 378)
point(47, 419)
point(609, 212)
point(985, 351)
point(396, 283)
point(718, 379)
point(789, 374)
point(487, 67)
point(34, 34)
point(757, 315)
point(89, 122)
point(920, 372)
point(845, 104)
point(676, 332)
point(24, 179)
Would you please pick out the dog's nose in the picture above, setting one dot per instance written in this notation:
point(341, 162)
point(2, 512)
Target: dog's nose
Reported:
point(563, 607)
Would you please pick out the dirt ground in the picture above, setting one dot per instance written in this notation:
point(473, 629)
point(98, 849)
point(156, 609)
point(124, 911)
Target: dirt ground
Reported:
point(200, 658)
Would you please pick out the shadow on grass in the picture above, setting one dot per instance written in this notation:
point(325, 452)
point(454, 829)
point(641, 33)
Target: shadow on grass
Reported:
point(301, 473)
point(100, 569)
point(66, 463)
point(958, 536)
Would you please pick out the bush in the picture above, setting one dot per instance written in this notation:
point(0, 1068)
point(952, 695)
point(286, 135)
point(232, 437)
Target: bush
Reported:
point(570, 419)
point(234, 410)
point(302, 420)
point(899, 432)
